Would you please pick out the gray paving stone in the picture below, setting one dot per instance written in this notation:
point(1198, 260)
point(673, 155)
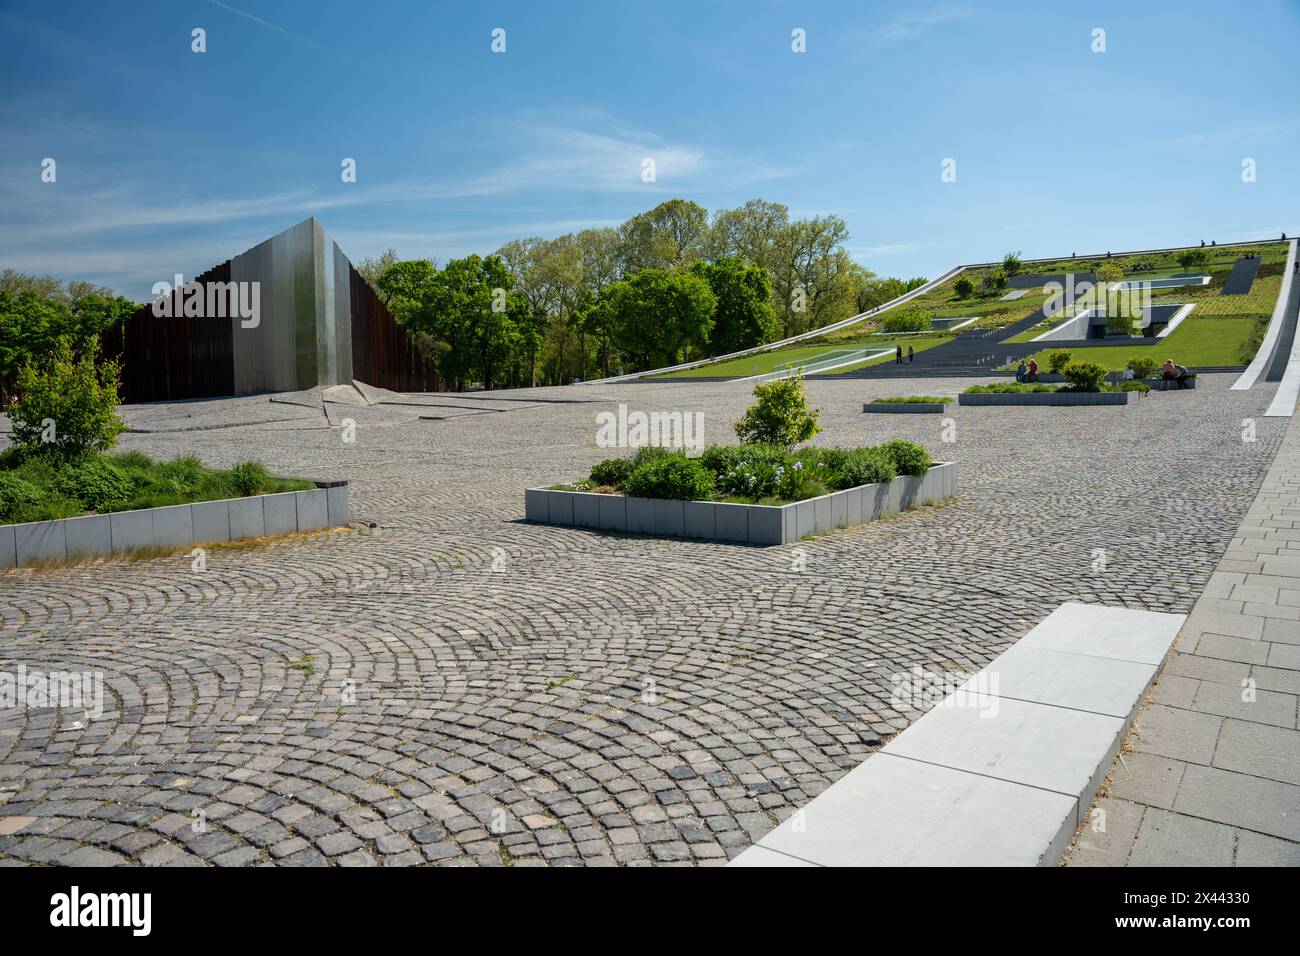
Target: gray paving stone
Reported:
point(1173, 839)
point(1181, 734)
point(1239, 800)
point(1259, 750)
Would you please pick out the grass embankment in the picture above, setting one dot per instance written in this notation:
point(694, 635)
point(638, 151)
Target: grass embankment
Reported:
point(44, 487)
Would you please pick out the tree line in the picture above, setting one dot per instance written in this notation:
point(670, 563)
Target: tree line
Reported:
point(668, 285)
point(36, 312)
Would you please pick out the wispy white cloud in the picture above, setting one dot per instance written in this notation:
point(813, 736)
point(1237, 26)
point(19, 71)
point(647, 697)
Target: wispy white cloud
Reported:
point(907, 25)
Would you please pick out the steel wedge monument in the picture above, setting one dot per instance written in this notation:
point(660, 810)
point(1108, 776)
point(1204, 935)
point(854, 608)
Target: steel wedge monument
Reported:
point(726, 436)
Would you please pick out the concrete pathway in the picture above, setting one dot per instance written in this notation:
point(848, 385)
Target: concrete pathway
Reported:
point(1210, 774)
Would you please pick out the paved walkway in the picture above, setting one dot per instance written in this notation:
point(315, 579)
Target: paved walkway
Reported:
point(1212, 772)
point(456, 686)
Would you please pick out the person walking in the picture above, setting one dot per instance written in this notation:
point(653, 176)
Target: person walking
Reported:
point(898, 355)
point(911, 354)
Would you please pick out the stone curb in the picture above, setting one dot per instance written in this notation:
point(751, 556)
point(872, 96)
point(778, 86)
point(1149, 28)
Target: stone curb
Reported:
point(739, 523)
point(1045, 398)
point(174, 526)
point(906, 408)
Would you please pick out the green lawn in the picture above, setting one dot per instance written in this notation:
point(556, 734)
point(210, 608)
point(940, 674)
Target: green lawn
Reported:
point(920, 343)
point(774, 361)
point(1202, 340)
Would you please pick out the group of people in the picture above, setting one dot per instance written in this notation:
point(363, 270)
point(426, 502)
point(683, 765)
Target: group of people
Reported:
point(898, 354)
point(1027, 373)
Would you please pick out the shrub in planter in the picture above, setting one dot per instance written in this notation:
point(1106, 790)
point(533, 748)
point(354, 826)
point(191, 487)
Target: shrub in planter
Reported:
point(612, 472)
point(723, 458)
point(1143, 366)
point(250, 478)
point(1084, 376)
point(1057, 359)
point(648, 453)
point(1133, 385)
point(671, 476)
point(781, 415)
point(866, 466)
point(908, 457)
point(17, 496)
point(96, 483)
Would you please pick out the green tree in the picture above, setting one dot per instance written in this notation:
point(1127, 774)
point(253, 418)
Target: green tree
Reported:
point(1011, 263)
point(1195, 259)
point(372, 268)
point(67, 404)
point(655, 316)
point(780, 416)
point(744, 316)
point(669, 236)
point(963, 287)
point(810, 274)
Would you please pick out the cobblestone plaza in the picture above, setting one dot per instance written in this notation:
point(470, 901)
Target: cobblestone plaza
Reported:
point(445, 683)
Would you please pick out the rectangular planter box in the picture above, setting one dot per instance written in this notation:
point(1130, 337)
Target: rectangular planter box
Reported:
point(1045, 398)
point(905, 408)
point(174, 526)
point(727, 521)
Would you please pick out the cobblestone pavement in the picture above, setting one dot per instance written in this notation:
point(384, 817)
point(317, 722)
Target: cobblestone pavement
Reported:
point(528, 694)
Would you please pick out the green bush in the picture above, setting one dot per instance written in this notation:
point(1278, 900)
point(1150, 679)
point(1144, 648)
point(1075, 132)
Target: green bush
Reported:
point(910, 400)
point(95, 482)
point(1001, 388)
point(908, 457)
point(66, 404)
point(781, 415)
point(17, 496)
point(1058, 359)
point(963, 287)
point(1133, 385)
point(1085, 376)
point(671, 476)
point(612, 472)
point(913, 319)
point(866, 466)
point(648, 453)
point(1143, 366)
point(720, 459)
point(250, 478)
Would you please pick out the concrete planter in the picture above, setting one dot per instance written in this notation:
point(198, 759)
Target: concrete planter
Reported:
point(175, 526)
point(1045, 398)
point(906, 408)
point(743, 524)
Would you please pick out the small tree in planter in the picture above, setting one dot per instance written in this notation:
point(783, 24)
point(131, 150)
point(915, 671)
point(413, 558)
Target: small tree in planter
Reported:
point(1058, 359)
point(1143, 366)
point(1084, 376)
point(781, 415)
point(67, 404)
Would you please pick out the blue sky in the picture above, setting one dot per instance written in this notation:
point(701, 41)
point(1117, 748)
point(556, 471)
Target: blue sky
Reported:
point(171, 161)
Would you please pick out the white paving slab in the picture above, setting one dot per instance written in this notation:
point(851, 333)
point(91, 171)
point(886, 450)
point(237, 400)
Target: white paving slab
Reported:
point(1116, 632)
point(889, 811)
point(1101, 685)
point(1052, 748)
